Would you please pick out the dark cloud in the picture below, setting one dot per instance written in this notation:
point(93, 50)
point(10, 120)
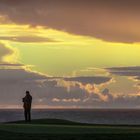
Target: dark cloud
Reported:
point(10, 65)
point(89, 80)
point(109, 20)
point(62, 93)
point(17, 75)
point(26, 39)
point(13, 84)
point(126, 71)
point(131, 68)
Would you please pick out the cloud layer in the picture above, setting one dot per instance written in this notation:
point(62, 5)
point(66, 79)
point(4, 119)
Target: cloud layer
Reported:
point(110, 20)
point(133, 71)
point(89, 80)
point(81, 92)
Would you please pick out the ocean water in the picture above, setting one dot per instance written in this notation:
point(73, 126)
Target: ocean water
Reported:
point(94, 116)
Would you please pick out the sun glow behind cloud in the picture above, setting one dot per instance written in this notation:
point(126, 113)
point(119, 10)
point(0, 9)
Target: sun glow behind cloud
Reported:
point(11, 58)
point(64, 52)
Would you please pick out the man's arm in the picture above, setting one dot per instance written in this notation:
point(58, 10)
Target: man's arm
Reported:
point(23, 100)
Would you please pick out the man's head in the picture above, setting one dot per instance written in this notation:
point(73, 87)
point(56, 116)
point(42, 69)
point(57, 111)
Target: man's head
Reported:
point(27, 93)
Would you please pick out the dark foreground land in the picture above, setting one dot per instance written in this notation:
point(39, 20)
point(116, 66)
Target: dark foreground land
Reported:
point(52, 129)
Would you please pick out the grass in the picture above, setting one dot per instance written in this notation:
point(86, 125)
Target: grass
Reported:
point(54, 129)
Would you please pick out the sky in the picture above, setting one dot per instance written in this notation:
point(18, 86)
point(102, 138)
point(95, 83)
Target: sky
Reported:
point(70, 54)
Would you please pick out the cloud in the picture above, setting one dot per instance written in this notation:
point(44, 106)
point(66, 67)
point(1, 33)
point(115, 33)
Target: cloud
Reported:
point(110, 20)
point(47, 91)
point(14, 83)
point(26, 39)
point(5, 51)
point(11, 65)
point(133, 71)
point(66, 100)
point(87, 84)
point(17, 75)
point(89, 80)
point(81, 92)
point(121, 101)
point(107, 93)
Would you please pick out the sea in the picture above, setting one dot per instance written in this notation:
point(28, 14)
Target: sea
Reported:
point(90, 116)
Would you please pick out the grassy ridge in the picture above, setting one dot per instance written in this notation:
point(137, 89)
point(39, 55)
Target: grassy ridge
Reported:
point(53, 129)
point(51, 121)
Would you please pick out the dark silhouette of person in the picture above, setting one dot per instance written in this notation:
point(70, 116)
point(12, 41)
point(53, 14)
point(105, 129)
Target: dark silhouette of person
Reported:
point(27, 102)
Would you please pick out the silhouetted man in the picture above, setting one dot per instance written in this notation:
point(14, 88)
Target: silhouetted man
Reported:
point(27, 101)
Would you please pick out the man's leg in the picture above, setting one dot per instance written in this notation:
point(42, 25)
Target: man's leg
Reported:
point(29, 113)
point(25, 115)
